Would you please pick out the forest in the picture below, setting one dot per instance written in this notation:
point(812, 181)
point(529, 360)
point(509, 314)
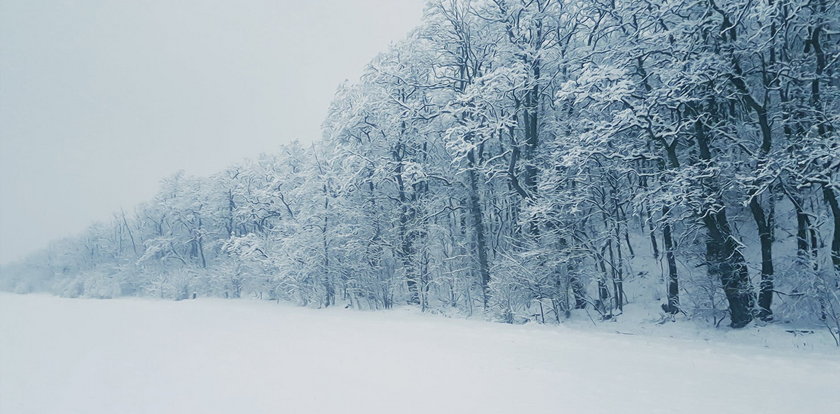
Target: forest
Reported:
point(525, 160)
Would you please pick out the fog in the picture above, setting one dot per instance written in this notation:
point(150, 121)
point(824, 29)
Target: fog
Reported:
point(99, 100)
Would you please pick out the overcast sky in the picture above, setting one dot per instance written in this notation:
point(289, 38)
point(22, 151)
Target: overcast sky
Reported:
point(99, 100)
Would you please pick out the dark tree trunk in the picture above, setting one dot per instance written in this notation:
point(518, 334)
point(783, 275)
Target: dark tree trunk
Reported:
point(802, 226)
point(603, 290)
point(652, 233)
point(833, 204)
point(727, 263)
point(763, 223)
point(765, 235)
point(578, 292)
point(723, 258)
point(478, 227)
point(673, 305)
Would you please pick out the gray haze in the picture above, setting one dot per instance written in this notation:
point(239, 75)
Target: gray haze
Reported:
point(99, 100)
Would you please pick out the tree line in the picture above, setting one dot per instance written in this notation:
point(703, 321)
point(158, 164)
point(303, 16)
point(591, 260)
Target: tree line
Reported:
point(526, 159)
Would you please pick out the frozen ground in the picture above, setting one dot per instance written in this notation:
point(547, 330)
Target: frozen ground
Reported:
point(214, 356)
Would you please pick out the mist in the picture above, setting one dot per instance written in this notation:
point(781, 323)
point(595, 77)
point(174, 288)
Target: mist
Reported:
point(101, 100)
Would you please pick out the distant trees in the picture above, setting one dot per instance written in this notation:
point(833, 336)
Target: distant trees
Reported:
point(526, 159)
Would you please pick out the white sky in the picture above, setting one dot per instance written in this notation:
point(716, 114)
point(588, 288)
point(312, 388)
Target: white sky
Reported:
point(99, 100)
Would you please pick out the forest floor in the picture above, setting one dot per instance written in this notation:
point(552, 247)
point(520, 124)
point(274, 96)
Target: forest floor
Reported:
point(217, 356)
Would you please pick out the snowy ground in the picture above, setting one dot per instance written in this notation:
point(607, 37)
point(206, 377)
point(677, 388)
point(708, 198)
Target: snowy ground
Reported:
point(215, 356)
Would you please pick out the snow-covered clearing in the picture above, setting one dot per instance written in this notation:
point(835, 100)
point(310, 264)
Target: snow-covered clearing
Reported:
point(216, 356)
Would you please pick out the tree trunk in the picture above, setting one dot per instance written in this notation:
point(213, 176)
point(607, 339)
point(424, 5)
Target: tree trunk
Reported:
point(406, 250)
point(765, 235)
point(474, 206)
point(833, 204)
point(673, 305)
point(726, 262)
point(723, 259)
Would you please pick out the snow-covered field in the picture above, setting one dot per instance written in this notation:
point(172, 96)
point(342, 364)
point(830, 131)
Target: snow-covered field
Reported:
point(214, 356)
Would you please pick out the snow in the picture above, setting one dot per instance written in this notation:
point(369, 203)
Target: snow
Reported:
point(217, 356)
